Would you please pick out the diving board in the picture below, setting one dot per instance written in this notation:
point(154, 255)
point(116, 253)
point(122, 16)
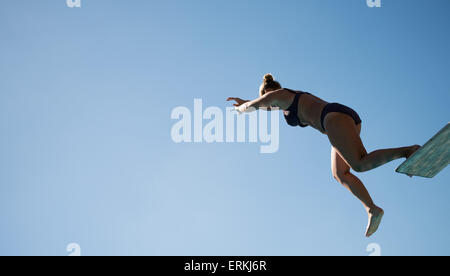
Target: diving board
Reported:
point(430, 159)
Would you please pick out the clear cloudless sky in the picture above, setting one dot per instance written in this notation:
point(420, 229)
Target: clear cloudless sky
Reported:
point(86, 154)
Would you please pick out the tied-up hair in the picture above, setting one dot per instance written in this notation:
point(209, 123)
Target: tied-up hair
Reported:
point(268, 84)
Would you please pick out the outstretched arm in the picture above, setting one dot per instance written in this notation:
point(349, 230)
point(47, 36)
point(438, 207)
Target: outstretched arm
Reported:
point(266, 101)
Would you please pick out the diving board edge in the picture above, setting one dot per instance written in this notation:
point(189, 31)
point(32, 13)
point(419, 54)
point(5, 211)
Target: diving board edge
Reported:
point(432, 170)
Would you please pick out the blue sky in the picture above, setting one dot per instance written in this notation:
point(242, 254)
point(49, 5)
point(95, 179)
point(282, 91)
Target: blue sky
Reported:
point(86, 154)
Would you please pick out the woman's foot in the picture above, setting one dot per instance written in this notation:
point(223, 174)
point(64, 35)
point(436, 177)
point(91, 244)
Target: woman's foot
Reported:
point(411, 150)
point(375, 216)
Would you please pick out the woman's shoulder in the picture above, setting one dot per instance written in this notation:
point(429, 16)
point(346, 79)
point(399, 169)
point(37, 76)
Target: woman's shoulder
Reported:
point(296, 91)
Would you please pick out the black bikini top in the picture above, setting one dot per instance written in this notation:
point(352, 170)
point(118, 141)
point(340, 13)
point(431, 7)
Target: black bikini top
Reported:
point(290, 114)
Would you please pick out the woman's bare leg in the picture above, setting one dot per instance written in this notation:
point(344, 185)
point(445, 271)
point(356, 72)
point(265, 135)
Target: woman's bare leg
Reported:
point(344, 136)
point(346, 141)
point(380, 157)
point(341, 172)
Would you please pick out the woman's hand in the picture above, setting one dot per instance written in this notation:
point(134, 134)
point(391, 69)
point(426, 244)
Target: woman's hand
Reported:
point(242, 108)
point(238, 101)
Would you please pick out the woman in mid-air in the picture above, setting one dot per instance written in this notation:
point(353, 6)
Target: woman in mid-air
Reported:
point(342, 125)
